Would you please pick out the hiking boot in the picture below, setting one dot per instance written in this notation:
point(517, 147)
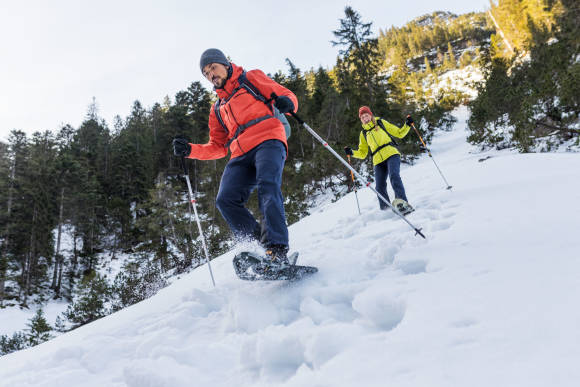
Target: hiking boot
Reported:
point(276, 256)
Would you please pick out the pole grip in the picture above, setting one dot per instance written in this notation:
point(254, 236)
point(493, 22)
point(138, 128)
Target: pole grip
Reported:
point(183, 165)
point(351, 174)
point(297, 118)
point(418, 134)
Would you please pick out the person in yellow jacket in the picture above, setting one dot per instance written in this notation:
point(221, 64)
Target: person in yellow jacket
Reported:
point(377, 137)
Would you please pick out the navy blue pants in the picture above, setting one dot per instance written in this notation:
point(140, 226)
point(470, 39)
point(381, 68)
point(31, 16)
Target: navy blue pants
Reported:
point(389, 168)
point(260, 168)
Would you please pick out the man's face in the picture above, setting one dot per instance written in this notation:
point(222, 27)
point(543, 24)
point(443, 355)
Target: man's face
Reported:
point(216, 73)
point(365, 118)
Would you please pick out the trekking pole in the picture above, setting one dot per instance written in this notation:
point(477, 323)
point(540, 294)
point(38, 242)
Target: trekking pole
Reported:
point(358, 175)
point(430, 155)
point(193, 204)
point(354, 185)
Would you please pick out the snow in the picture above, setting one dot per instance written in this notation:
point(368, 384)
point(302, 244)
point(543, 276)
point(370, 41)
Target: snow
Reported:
point(16, 319)
point(490, 298)
point(462, 80)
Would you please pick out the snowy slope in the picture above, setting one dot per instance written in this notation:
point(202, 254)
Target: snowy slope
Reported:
point(490, 298)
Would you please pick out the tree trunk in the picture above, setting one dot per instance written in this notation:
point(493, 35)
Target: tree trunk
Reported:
point(301, 144)
point(29, 259)
point(91, 241)
point(4, 249)
point(57, 259)
point(2, 276)
point(59, 282)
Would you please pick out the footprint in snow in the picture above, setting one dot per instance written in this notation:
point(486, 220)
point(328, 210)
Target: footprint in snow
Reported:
point(441, 225)
point(378, 309)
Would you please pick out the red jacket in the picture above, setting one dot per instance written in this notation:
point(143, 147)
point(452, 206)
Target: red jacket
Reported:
point(240, 109)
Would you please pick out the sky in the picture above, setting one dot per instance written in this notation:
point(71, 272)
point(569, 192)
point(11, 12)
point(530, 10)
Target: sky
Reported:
point(490, 298)
point(56, 56)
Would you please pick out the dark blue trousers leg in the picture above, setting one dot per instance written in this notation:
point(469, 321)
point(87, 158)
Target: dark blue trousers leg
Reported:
point(270, 159)
point(237, 183)
point(394, 169)
point(259, 168)
point(381, 172)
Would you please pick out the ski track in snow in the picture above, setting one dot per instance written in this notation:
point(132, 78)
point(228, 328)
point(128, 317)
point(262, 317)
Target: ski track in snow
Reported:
point(386, 307)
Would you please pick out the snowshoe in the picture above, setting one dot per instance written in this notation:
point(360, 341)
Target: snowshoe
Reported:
point(251, 267)
point(402, 206)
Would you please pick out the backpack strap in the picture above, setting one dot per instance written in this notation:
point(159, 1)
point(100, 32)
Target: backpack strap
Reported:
point(240, 129)
point(244, 83)
point(393, 143)
point(378, 148)
point(216, 110)
point(380, 122)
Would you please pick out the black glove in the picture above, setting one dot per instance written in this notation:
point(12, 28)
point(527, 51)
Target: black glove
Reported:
point(409, 120)
point(181, 147)
point(284, 104)
point(348, 150)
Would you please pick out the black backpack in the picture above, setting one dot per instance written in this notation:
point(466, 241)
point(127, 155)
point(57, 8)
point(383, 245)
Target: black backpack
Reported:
point(244, 83)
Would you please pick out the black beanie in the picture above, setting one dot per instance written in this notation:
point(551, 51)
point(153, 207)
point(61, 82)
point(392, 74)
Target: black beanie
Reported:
point(212, 55)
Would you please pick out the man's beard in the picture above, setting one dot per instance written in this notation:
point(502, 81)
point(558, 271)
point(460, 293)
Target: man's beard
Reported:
point(220, 82)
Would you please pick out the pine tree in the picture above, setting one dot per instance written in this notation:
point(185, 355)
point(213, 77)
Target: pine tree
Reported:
point(465, 59)
point(91, 148)
point(428, 68)
point(138, 280)
point(451, 55)
point(440, 57)
point(12, 344)
point(39, 194)
point(92, 301)
point(67, 178)
point(38, 329)
point(5, 194)
point(361, 54)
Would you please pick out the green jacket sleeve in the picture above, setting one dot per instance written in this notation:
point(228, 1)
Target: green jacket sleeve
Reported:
point(396, 131)
point(363, 147)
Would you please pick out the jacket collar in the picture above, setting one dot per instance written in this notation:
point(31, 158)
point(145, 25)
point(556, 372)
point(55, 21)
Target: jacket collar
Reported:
point(370, 125)
point(231, 82)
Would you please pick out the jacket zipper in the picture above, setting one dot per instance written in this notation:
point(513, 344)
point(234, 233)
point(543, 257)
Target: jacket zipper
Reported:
point(377, 144)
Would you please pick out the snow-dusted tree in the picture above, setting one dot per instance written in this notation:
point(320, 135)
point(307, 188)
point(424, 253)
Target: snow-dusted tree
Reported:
point(92, 301)
point(38, 329)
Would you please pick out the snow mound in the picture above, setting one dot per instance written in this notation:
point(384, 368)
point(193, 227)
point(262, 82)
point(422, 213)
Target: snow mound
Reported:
point(489, 298)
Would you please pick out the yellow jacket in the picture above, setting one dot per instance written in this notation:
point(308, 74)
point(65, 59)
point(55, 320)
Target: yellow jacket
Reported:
point(378, 141)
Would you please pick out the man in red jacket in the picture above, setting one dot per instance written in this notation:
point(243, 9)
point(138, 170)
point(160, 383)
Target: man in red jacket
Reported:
point(243, 120)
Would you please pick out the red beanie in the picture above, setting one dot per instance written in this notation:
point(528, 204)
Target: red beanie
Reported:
point(364, 109)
